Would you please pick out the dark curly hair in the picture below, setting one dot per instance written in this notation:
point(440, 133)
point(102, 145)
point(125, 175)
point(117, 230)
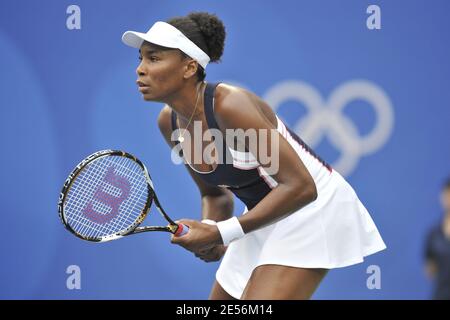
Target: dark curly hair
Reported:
point(207, 31)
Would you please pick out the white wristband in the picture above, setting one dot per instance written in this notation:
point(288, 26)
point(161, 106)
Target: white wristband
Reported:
point(230, 230)
point(209, 221)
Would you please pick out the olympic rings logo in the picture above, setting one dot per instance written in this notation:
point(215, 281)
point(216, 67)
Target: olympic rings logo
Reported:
point(325, 117)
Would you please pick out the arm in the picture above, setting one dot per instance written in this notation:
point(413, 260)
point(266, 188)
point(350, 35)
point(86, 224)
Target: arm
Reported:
point(296, 188)
point(217, 202)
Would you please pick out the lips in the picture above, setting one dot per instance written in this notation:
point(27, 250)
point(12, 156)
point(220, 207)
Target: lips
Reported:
point(141, 84)
point(143, 87)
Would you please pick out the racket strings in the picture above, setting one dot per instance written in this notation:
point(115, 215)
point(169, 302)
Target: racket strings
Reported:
point(115, 225)
point(76, 219)
point(91, 183)
point(139, 198)
point(85, 184)
point(126, 218)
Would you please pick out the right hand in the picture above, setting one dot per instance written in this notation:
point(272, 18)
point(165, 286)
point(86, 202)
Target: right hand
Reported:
point(214, 253)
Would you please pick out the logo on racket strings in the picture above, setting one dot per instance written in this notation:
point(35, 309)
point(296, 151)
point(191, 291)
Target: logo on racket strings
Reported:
point(106, 198)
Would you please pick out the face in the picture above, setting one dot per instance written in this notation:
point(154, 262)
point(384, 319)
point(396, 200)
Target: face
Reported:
point(445, 201)
point(161, 72)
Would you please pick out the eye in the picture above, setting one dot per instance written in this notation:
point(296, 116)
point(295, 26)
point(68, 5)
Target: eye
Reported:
point(153, 58)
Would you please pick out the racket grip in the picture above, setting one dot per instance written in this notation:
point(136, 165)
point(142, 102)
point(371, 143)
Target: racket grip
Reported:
point(182, 230)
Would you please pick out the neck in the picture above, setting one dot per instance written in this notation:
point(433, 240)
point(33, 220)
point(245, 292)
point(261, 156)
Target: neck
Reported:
point(184, 104)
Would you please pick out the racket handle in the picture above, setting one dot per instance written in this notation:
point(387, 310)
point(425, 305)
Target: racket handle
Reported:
point(182, 230)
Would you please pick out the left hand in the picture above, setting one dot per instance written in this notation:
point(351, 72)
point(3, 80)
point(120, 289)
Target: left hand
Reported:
point(212, 254)
point(200, 236)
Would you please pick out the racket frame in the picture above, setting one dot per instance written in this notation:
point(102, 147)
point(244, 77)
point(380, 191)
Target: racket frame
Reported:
point(132, 229)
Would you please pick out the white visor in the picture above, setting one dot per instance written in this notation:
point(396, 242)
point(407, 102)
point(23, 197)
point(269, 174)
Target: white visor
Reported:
point(166, 35)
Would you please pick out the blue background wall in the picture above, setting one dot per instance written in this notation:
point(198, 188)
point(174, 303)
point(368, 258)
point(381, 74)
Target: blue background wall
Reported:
point(67, 93)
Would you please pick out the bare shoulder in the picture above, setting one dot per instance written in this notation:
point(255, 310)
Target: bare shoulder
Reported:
point(228, 98)
point(236, 102)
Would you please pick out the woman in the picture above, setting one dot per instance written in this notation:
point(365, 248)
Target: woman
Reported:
point(301, 219)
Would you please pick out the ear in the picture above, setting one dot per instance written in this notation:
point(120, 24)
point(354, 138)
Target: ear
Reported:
point(190, 68)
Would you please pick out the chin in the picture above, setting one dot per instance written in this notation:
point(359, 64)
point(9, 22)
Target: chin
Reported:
point(149, 97)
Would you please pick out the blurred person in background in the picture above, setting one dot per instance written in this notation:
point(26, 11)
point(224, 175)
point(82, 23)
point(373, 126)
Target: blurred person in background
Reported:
point(437, 250)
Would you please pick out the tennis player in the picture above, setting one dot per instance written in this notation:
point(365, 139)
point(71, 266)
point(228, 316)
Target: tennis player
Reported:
point(300, 220)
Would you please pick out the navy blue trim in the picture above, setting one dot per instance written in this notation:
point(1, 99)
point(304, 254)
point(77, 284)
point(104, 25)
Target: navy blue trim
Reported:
point(209, 106)
point(308, 149)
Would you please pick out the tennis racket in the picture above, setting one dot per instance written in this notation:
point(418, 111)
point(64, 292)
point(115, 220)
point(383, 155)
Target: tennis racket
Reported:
point(107, 196)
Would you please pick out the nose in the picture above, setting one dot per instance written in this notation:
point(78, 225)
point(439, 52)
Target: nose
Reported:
point(140, 70)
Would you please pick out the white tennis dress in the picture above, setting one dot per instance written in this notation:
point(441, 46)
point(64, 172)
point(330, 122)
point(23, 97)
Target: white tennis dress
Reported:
point(334, 231)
